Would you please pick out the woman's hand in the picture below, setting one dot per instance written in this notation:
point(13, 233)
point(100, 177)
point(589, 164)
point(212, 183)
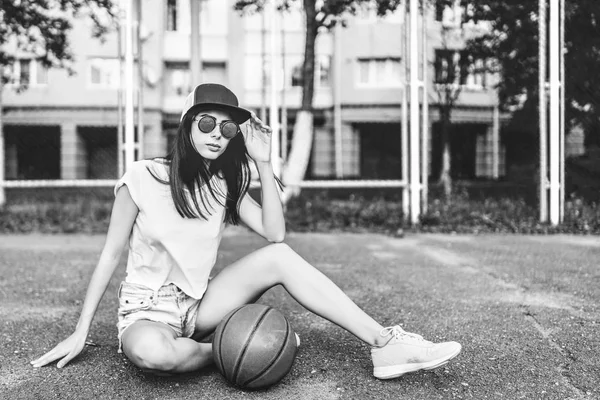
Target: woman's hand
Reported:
point(67, 350)
point(257, 136)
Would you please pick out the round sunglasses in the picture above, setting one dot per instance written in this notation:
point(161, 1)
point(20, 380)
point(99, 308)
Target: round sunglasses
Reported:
point(207, 124)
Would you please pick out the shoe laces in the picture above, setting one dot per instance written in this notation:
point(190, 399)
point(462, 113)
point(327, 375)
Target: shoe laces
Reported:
point(398, 333)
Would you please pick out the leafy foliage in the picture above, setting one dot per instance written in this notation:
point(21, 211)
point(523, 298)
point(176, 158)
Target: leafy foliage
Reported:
point(327, 12)
point(41, 28)
point(513, 42)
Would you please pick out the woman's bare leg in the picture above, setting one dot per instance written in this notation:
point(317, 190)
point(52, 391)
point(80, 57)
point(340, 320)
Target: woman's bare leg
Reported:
point(247, 279)
point(155, 348)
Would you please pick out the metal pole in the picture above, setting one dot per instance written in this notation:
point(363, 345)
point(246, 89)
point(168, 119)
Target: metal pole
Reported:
point(337, 99)
point(554, 113)
point(140, 97)
point(543, 112)
point(562, 112)
point(425, 114)
point(414, 115)
point(129, 125)
point(284, 117)
point(195, 45)
point(404, 122)
point(274, 111)
point(2, 150)
point(120, 138)
point(263, 52)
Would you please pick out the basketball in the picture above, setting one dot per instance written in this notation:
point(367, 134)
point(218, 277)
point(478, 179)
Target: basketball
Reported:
point(254, 346)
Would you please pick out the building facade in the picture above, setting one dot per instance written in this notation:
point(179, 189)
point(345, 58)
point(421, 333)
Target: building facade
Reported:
point(66, 126)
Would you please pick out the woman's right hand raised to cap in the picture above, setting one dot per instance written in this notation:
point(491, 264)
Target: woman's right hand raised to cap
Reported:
point(66, 350)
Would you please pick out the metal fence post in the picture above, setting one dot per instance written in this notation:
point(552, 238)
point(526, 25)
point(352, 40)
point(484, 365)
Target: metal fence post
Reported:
point(129, 120)
point(2, 161)
point(543, 193)
point(414, 176)
point(424, 114)
point(404, 122)
point(274, 107)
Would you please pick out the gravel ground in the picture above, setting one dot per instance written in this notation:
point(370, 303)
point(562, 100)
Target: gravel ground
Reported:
point(525, 308)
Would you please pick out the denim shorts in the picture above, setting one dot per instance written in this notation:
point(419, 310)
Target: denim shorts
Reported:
point(169, 305)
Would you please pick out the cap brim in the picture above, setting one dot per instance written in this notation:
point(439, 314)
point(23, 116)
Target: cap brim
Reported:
point(239, 114)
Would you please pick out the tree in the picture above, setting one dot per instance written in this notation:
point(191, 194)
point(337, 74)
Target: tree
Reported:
point(512, 41)
point(321, 15)
point(40, 28)
point(448, 88)
point(451, 69)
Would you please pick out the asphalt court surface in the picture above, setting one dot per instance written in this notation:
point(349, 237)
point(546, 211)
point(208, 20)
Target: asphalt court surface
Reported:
point(525, 308)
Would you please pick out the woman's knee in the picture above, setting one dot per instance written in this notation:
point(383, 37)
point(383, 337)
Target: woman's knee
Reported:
point(279, 250)
point(278, 253)
point(281, 262)
point(151, 351)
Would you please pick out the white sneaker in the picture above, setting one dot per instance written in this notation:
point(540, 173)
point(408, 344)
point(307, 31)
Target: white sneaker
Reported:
point(409, 352)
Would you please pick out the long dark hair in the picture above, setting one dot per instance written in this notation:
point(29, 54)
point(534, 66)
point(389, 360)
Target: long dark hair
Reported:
point(189, 171)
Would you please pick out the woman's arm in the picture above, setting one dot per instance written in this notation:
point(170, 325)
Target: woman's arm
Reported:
point(121, 222)
point(268, 220)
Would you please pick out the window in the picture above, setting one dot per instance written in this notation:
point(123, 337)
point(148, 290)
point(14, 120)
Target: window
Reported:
point(453, 14)
point(32, 152)
point(297, 78)
point(469, 13)
point(28, 72)
point(104, 73)
point(178, 79)
point(322, 72)
point(447, 70)
point(379, 72)
point(459, 67)
point(484, 156)
point(25, 72)
point(171, 23)
point(475, 73)
point(448, 14)
point(439, 10)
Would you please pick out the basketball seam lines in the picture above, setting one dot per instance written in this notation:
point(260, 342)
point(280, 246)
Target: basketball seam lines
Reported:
point(221, 339)
point(264, 371)
point(236, 370)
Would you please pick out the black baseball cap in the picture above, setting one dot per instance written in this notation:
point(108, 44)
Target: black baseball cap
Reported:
point(214, 95)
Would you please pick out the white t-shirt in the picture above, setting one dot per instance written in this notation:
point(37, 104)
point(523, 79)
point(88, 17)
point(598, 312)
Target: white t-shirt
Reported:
point(163, 246)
